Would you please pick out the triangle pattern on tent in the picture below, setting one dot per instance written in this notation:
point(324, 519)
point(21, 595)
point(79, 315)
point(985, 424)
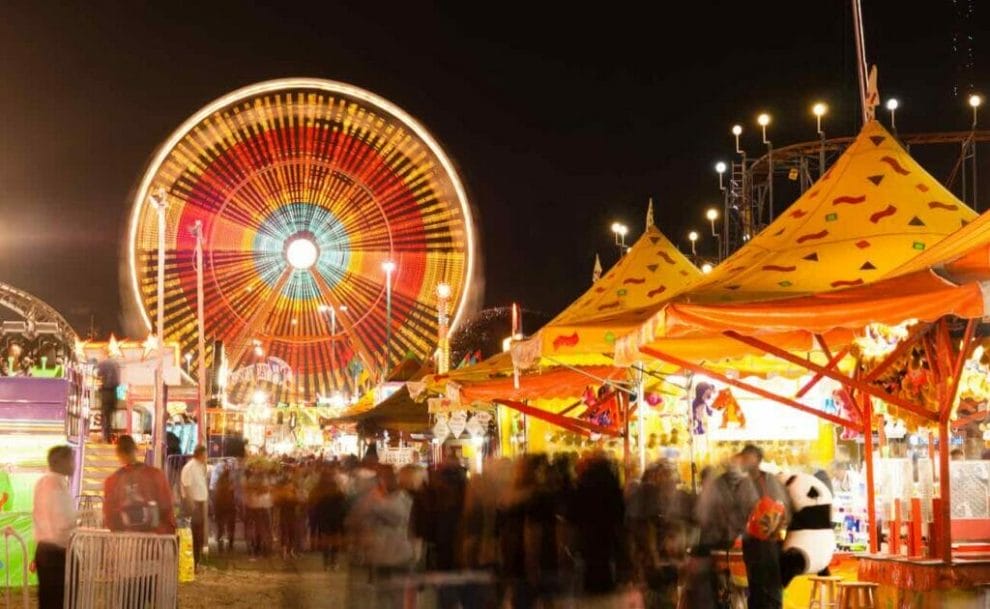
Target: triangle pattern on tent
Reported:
point(844, 215)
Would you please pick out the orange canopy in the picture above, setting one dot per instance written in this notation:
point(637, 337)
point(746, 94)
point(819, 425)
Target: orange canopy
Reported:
point(875, 210)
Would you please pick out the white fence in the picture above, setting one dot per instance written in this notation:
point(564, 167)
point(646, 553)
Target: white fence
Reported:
point(107, 570)
point(10, 534)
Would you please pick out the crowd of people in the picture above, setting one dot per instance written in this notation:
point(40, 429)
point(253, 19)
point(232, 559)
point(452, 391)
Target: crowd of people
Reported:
point(527, 533)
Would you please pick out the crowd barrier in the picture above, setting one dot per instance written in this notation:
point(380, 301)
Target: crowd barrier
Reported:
point(107, 570)
point(10, 534)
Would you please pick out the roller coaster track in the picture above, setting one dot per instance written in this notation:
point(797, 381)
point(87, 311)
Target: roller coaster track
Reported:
point(35, 311)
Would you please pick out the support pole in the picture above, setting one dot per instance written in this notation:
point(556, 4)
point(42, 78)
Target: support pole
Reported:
point(857, 11)
point(160, 201)
point(944, 514)
point(641, 417)
point(871, 500)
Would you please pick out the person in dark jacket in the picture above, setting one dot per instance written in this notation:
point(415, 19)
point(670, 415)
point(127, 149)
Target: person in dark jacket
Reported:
point(330, 510)
point(598, 513)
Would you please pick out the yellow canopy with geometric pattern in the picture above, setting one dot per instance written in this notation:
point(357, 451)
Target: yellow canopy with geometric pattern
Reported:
point(651, 272)
point(872, 211)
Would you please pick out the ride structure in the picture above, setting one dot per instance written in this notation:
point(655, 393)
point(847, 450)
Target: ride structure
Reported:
point(329, 218)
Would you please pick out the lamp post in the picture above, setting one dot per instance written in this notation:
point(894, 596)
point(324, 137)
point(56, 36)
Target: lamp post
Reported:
point(159, 199)
point(712, 215)
point(389, 267)
point(693, 238)
point(201, 423)
point(819, 110)
point(333, 338)
point(706, 268)
point(892, 105)
point(764, 120)
point(737, 131)
point(720, 169)
point(443, 325)
point(620, 231)
point(975, 101)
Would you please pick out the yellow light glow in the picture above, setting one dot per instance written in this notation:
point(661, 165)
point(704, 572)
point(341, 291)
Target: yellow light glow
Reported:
point(443, 290)
point(720, 167)
point(706, 268)
point(819, 109)
point(712, 214)
point(975, 100)
point(737, 130)
point(892, 104)
point(693, 236)
point(763, 119)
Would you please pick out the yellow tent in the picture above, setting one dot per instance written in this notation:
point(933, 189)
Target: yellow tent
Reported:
point(873, 211)
point(651, 272)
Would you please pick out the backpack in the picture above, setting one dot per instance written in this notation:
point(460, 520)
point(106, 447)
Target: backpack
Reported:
point(767, 516)
point(139, 510)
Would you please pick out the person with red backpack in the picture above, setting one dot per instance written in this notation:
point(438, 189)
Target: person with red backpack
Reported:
point(137, 497)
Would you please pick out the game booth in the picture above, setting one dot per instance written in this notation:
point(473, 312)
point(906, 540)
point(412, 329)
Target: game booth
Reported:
point(44, 402)
point(896, 321)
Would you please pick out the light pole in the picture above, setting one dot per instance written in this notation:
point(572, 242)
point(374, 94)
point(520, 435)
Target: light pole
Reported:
point(620, 231)
point(819, 110)
point(764, 120)
point(975, 101)
point(720, 169)
point(443, 324)
point(159, 199)
point(706, 268)
point(389, 267)
point(737, 131)
point(693, 238)
point(892, 104)
point(333, 338)
point(197, 230)
point(712, 215)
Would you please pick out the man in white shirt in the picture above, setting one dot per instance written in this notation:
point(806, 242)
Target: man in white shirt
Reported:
point(54, 520)
point(195, 494)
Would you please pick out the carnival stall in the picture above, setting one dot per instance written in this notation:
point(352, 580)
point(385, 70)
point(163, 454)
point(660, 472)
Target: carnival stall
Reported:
point(44, 400)
point(798, 292)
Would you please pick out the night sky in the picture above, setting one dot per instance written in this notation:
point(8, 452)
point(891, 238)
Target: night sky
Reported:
point(560, 120)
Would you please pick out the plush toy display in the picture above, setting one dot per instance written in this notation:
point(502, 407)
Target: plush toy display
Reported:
point(810, 540)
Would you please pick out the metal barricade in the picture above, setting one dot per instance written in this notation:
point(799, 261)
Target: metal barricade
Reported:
point(90, 511)
point(107, 570)
point(8, 534)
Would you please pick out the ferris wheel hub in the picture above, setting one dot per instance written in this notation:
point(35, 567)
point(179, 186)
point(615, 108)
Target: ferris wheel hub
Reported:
point(301, 253)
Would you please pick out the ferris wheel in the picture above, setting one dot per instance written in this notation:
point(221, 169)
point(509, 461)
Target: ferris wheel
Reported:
point(329, 218)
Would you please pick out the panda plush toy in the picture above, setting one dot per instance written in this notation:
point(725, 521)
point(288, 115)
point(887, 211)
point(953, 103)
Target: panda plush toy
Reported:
point(810, 540)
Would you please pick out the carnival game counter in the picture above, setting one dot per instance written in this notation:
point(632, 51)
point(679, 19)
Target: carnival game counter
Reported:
point(922, 583)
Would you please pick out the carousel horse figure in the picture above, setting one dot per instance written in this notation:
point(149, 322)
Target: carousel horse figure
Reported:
point(732, 412)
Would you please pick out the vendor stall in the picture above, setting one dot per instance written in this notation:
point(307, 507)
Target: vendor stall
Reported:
point(914, 318)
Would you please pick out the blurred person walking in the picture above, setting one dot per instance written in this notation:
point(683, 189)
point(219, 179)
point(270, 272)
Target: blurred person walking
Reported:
point(136, 497)
point(258, 512)
point(54, 518)
point(390, 553)
point(762, 556)
point(225, 505)
point(108, 372)
point(195, 494)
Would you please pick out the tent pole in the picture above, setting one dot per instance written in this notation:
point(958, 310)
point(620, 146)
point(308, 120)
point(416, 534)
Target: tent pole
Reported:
point(871, 501)
point(641, 417)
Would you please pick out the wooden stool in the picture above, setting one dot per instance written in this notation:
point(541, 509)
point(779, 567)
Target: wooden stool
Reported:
point(857, 595)
point(824, 592)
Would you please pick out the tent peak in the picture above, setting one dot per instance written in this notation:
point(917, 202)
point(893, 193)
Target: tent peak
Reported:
point(649, 215)
point(596, 272)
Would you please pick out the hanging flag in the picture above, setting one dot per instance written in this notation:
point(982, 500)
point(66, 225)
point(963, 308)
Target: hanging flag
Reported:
point(649, 215)
point(872, 94)
point(596, 273)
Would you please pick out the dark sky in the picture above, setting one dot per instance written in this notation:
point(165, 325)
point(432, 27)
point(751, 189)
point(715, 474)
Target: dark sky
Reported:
point(562, 119)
